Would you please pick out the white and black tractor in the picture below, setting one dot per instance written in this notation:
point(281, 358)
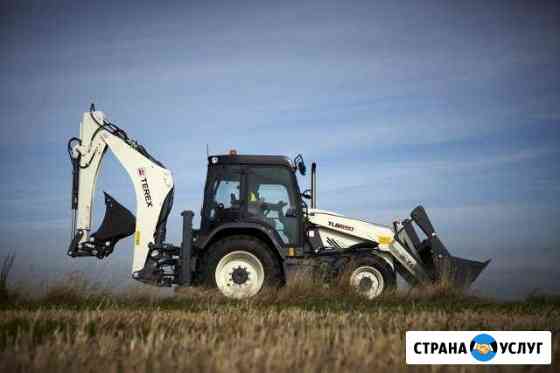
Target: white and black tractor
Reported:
point(257, 227)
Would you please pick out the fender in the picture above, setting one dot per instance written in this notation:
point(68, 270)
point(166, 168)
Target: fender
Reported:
point(270, 233)
point(372, 248)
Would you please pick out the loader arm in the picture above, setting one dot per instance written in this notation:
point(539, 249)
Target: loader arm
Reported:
point(418, 261)
point(338, 230)
point(152, 182)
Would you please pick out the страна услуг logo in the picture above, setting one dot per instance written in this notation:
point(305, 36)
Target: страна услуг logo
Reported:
point(483, 347)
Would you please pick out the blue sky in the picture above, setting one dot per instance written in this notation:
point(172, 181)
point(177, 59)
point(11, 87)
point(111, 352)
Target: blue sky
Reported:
point(452, 105)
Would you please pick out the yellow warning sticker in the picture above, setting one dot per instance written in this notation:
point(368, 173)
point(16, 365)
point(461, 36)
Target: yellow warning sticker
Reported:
point(136, 238)
point(385, 240)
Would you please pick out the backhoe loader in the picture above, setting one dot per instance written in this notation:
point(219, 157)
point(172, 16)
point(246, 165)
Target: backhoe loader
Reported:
point(257, 227)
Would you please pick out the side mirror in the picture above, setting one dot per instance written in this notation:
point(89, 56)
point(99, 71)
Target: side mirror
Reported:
point(301, 167)
point(299, 164)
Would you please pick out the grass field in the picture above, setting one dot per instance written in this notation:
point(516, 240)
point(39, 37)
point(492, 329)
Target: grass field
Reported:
point(302, 327)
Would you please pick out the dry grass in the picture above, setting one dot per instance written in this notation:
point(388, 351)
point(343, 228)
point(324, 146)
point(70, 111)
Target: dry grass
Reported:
point(7, 263)
point(302, 327)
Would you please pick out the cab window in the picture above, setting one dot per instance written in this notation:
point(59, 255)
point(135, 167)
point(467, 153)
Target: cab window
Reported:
point(270, 198)
point(223, 197)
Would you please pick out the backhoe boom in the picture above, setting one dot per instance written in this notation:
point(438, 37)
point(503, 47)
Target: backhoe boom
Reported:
point(152, 182)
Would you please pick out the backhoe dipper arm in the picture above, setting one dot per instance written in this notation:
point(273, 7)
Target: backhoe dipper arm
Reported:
point(153, 185)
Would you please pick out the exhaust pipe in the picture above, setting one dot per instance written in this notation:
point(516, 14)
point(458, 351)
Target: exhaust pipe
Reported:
point(313, 185)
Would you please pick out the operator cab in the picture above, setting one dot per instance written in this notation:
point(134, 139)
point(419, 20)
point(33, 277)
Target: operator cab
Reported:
point(253, 189)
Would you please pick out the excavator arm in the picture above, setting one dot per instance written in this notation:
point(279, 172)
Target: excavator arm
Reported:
point(153, 186)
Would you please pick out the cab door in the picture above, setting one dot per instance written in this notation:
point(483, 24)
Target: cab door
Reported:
point(223, 202)
point(272, 198)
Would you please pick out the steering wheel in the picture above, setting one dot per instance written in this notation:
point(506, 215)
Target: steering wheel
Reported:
point(267, 207)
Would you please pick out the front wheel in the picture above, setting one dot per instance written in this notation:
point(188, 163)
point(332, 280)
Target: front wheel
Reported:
point(240, 266)
point(371, 276)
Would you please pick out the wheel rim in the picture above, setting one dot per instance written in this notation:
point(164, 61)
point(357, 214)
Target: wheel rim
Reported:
point(239, 274)
point(368, 281)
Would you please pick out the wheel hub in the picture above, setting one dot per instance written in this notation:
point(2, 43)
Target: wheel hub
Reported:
point(240, 275)
point(365, 284)
point(368, 281)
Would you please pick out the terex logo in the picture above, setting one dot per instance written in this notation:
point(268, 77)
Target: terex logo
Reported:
point(145, 187)
point(341, 226)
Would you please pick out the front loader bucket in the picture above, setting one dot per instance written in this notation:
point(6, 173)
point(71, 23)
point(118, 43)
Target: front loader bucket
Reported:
point(458, 272)
point(447, 269)
point(452, 270)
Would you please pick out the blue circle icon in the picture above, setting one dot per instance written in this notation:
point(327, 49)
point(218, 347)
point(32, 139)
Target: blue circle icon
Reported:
point(483, 347)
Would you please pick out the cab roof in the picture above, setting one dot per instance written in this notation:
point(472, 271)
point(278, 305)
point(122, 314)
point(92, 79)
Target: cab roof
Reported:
point(267, 160)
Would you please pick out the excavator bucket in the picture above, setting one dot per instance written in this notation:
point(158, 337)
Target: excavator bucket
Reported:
point(117, 223)
point(444, 267)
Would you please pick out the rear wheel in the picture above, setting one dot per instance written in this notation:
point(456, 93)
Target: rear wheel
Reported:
point(240, 266)
point(371, 276)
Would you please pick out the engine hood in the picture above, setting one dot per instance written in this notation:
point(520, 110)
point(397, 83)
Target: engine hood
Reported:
point(358, 228)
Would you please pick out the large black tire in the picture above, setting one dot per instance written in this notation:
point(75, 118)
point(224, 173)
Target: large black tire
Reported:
point(366, 270)
point(273, 274)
